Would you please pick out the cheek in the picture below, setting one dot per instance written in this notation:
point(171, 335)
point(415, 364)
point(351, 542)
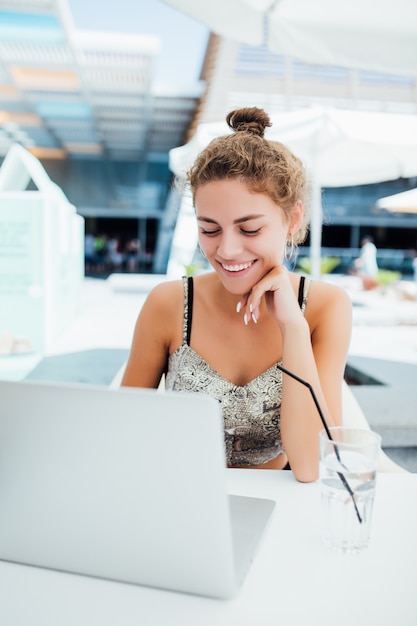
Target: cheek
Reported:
point(275, 248)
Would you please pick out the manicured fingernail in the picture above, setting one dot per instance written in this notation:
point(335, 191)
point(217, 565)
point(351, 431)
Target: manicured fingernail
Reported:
point(254, 318)
point(238, 307)
point(250, 307)
point(245, 319)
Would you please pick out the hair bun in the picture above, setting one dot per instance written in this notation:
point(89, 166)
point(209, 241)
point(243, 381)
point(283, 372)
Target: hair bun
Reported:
point(251, 120)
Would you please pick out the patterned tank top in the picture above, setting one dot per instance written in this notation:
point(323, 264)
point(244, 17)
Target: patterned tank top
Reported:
point(251, 412)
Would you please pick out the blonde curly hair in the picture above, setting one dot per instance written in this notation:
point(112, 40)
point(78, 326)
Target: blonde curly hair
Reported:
point(265, 166)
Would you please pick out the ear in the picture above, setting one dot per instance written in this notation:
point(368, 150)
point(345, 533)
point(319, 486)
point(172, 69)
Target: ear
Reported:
point(297, 217)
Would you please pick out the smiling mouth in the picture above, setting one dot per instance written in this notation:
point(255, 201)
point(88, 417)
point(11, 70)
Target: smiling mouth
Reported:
point(236, 268)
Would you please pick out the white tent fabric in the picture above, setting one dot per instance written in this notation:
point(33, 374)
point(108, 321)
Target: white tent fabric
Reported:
point(337, 147)
point(404, 202)
point(362, 34)
point(341, 147)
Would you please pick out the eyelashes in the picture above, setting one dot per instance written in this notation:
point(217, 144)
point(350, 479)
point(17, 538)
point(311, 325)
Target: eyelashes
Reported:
point(251, 232)
point(213, 233)
point(209, 233)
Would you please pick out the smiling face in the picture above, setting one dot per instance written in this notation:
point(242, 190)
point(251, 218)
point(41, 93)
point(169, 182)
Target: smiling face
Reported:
point(241, 233)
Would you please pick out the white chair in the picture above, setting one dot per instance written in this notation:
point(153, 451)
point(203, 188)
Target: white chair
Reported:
point(116, 381)
point(353, 417)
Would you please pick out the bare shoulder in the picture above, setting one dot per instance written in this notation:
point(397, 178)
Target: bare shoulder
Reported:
point(327, 301)
point(163, 306)
point(166, 295)
point(158, 328)
point(328, 292)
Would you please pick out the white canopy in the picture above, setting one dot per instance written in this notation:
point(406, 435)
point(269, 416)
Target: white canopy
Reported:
point(363, 34)
point(404, 202)
point(338, 148)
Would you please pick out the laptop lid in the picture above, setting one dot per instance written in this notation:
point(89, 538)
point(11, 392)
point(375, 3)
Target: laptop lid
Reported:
point(125, 484)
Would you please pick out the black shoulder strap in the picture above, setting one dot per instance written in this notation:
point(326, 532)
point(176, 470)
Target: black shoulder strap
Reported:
point(190, 307)
point(301, 291)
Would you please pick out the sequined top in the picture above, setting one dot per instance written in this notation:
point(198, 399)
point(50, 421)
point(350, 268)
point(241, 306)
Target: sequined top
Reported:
point(251, 413)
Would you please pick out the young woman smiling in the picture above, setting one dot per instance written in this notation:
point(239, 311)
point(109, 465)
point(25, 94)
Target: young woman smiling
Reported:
point(224, 332)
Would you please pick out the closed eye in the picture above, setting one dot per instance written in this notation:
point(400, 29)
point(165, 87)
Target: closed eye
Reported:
point(250, 232)
point(210, 232)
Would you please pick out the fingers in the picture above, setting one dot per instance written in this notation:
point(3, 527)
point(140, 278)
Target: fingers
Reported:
point(250, 313)
point(242, 303)
point(250, 303)
point(253, 310)
point(254, 314)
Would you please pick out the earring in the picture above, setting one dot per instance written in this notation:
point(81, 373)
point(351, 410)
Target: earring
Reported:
point(289, 249)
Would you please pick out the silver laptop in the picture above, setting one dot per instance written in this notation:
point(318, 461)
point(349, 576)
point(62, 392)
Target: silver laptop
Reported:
point(123, 484)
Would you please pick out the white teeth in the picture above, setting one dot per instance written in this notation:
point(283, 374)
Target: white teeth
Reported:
point(237, 268)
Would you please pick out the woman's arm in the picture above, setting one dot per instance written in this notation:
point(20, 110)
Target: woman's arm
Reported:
point(158, 327)
point(315, 348)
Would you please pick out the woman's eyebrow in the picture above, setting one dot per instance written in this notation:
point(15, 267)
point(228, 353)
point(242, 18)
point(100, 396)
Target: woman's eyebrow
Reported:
point(206, 219)
point(248, 218)
point(240, 220)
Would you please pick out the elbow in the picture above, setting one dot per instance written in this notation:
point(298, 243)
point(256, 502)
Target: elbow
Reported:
point(306, 474)
point(304, 478)
point(305, 463)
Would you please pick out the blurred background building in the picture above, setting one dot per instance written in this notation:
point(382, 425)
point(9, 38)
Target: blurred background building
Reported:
point(86, 103)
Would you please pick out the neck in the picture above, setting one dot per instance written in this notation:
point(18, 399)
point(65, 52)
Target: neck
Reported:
point(223, 298)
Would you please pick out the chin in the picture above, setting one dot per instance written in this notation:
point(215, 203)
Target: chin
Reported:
point(238, 285)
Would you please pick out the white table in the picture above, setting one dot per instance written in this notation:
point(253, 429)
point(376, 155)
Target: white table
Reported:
point(294, 579)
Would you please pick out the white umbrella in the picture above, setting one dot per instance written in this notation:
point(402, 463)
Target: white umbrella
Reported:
point(363, 34)
point(404, 202)
point(338, 148)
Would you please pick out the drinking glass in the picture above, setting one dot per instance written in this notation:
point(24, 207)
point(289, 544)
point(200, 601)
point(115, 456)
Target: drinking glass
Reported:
point(348, 462)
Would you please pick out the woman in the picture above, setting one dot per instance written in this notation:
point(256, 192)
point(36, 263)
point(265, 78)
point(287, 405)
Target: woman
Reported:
point(224, 333)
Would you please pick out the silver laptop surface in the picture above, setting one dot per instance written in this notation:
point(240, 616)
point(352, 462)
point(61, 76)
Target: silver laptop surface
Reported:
point(125, 484)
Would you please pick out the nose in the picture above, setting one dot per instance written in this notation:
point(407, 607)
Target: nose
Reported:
point(229, 245)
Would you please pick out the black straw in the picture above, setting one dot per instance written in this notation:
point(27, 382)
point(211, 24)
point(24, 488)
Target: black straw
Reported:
point(327, 429)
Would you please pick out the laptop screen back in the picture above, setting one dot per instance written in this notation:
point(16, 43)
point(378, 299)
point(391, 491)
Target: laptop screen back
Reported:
point(123, 484)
